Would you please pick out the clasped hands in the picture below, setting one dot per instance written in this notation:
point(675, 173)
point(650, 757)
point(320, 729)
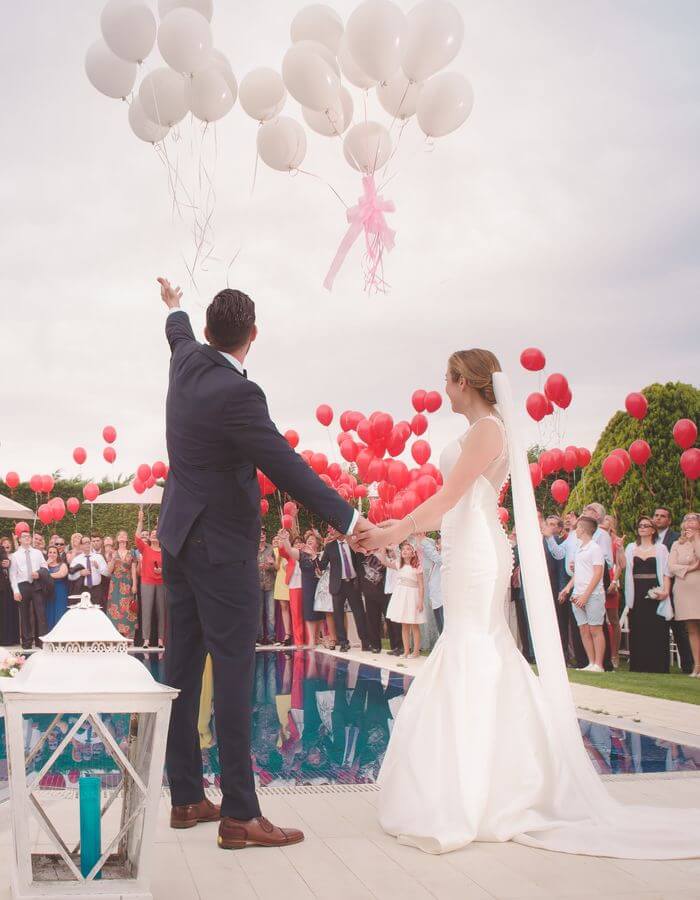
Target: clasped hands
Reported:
point(366, 537)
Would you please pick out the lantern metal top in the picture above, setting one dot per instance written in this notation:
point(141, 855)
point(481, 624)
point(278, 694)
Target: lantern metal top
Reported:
point(84, 654)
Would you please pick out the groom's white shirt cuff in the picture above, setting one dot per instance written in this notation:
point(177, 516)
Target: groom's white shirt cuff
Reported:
point(237, 364)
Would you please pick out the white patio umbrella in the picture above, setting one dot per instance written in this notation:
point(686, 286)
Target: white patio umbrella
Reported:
point(10, 509)
point(127, 494)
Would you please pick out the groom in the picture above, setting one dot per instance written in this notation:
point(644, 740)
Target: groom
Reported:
point(218, 432)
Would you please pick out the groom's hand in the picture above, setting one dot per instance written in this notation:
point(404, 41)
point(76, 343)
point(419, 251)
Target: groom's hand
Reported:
point(170, 296)
point(362, 527)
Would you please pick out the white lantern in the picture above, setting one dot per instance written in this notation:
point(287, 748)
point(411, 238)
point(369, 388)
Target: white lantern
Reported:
point(82, 675)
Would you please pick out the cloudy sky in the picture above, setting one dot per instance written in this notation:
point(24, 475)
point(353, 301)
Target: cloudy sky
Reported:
point(564, 214)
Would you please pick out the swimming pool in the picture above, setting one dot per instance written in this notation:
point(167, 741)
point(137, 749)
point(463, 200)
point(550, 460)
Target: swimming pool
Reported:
point(317, 720)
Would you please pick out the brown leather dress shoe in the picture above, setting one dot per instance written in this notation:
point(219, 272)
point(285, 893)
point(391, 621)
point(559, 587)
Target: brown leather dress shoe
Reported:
point(194, 813)
point(235, 834)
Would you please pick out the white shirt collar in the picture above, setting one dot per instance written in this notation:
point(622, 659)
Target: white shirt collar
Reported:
point(236, 363)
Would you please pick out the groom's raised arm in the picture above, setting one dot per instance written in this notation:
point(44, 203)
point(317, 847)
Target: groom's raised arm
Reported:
point(177, 325)
point(251, 430)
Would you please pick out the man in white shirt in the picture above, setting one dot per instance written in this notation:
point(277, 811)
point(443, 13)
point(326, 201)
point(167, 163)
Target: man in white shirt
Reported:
point(86, 572)
point(25, 564)
point(587, 593)
point(567, 549)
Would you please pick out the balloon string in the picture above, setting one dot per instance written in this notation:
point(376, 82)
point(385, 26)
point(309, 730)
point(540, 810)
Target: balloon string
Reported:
point(298, 171)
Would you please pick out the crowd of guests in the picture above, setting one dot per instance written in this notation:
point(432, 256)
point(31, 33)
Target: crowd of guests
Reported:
point(317, 590)
point(122, 574)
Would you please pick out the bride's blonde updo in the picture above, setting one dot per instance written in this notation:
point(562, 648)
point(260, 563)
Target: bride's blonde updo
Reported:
point(477, 368)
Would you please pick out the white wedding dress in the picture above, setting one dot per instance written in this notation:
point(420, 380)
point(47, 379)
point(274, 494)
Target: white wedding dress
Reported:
point(482, 748)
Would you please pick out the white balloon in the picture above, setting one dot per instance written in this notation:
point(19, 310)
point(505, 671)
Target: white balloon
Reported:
point(282, 144)
point(217, 59)
point(263, 94)
point(162, 96)
point(184, 40)
point(367, 147)
point(350, 69)
point(208, 94)
point(374, 33)
point(399, 96)
point(112, 76)
point(321, 50)
point(309, 78)
point(129, 29)
point(142, 127)
point(334, 121)
point(317, 22)
point(444, 103)
point(205, 7)
point(433, 37)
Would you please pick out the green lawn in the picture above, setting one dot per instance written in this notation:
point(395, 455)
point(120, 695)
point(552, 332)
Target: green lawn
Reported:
point(676, 686)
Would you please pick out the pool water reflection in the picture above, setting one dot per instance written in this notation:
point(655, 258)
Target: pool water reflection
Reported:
point(317, 719)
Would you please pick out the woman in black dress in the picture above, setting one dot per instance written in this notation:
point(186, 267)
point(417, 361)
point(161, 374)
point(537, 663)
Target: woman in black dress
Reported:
point(307, 560)
point(647, 561)
point(9, 608)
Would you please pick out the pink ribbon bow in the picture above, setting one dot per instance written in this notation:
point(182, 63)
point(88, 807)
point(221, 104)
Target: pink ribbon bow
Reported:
point(367, 216)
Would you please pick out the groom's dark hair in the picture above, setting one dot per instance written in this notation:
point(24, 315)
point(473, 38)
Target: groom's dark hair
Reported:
point(230, 319)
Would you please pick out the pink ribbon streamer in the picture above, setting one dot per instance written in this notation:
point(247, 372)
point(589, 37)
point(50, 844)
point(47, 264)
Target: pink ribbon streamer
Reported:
point(367, 216)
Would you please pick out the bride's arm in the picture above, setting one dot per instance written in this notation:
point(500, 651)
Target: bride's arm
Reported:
point(482, 445)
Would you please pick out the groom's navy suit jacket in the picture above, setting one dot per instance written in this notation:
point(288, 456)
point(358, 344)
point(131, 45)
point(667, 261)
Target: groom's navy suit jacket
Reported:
point(218, 432)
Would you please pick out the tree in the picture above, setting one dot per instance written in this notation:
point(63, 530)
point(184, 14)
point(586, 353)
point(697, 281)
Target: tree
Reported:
point(663, 483)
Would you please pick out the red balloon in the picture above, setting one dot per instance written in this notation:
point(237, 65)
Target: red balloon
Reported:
point(382, 426)
point(433, 401)
point(360, 490)
point(557, 458)
point(364, 458)
point(319, 462)
point(35, 483)
point(404, 429)
point(21, 528)
point(397, 474)
point(47, 484)
point(536, 474)
point(346, 420)
point(419, 424)
point(79, 455)
point(110, 454)
point(640, 452)
point(348, 450)
point(503, 515)
point(624, 456)
point(287, 522)
point(91, 491)
point(418, 400)
point(556, 387)
point(565, 401)
point(584, 457)
point(73, 505)
point(324, 414)
point(690, 463)
point(138, 485)
point(547, 463)
point(58, 508)
point(429, 469)
point(550, 406)
point(365, 431)
point(613, 469)
point(570, 460)
point(334, 471)
point(376, 471)
point(426, 486)
point(411, 500)
point(560, 491)
point(685, 433)
point(144, 472)
point(386, 491)
point(292, 438)
point(378, 448)
point(151, 482)
point(376, 512)
point(636, 405)
point(290, 508)
point(45, 514)
point(396, 445)
point(536, 405)
point(109, 434)
point(264, 507)
point(159, 469)
point(420, 451)
point(12, 480)
point(532, 359)
point(326, 480)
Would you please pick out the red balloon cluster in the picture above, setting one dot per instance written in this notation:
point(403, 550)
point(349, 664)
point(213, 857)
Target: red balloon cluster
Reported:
point(556, 387)
point(636, 405)
point(53, 511)
point(426, 401)
point(41, 484)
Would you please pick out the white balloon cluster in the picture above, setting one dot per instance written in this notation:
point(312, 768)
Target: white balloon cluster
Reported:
point(381, 48)
point(196, 79)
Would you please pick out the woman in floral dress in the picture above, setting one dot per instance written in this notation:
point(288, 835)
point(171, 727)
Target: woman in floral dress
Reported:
point(122, 608)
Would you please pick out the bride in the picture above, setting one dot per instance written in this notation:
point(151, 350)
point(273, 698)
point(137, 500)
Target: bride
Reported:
point(483, 749)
